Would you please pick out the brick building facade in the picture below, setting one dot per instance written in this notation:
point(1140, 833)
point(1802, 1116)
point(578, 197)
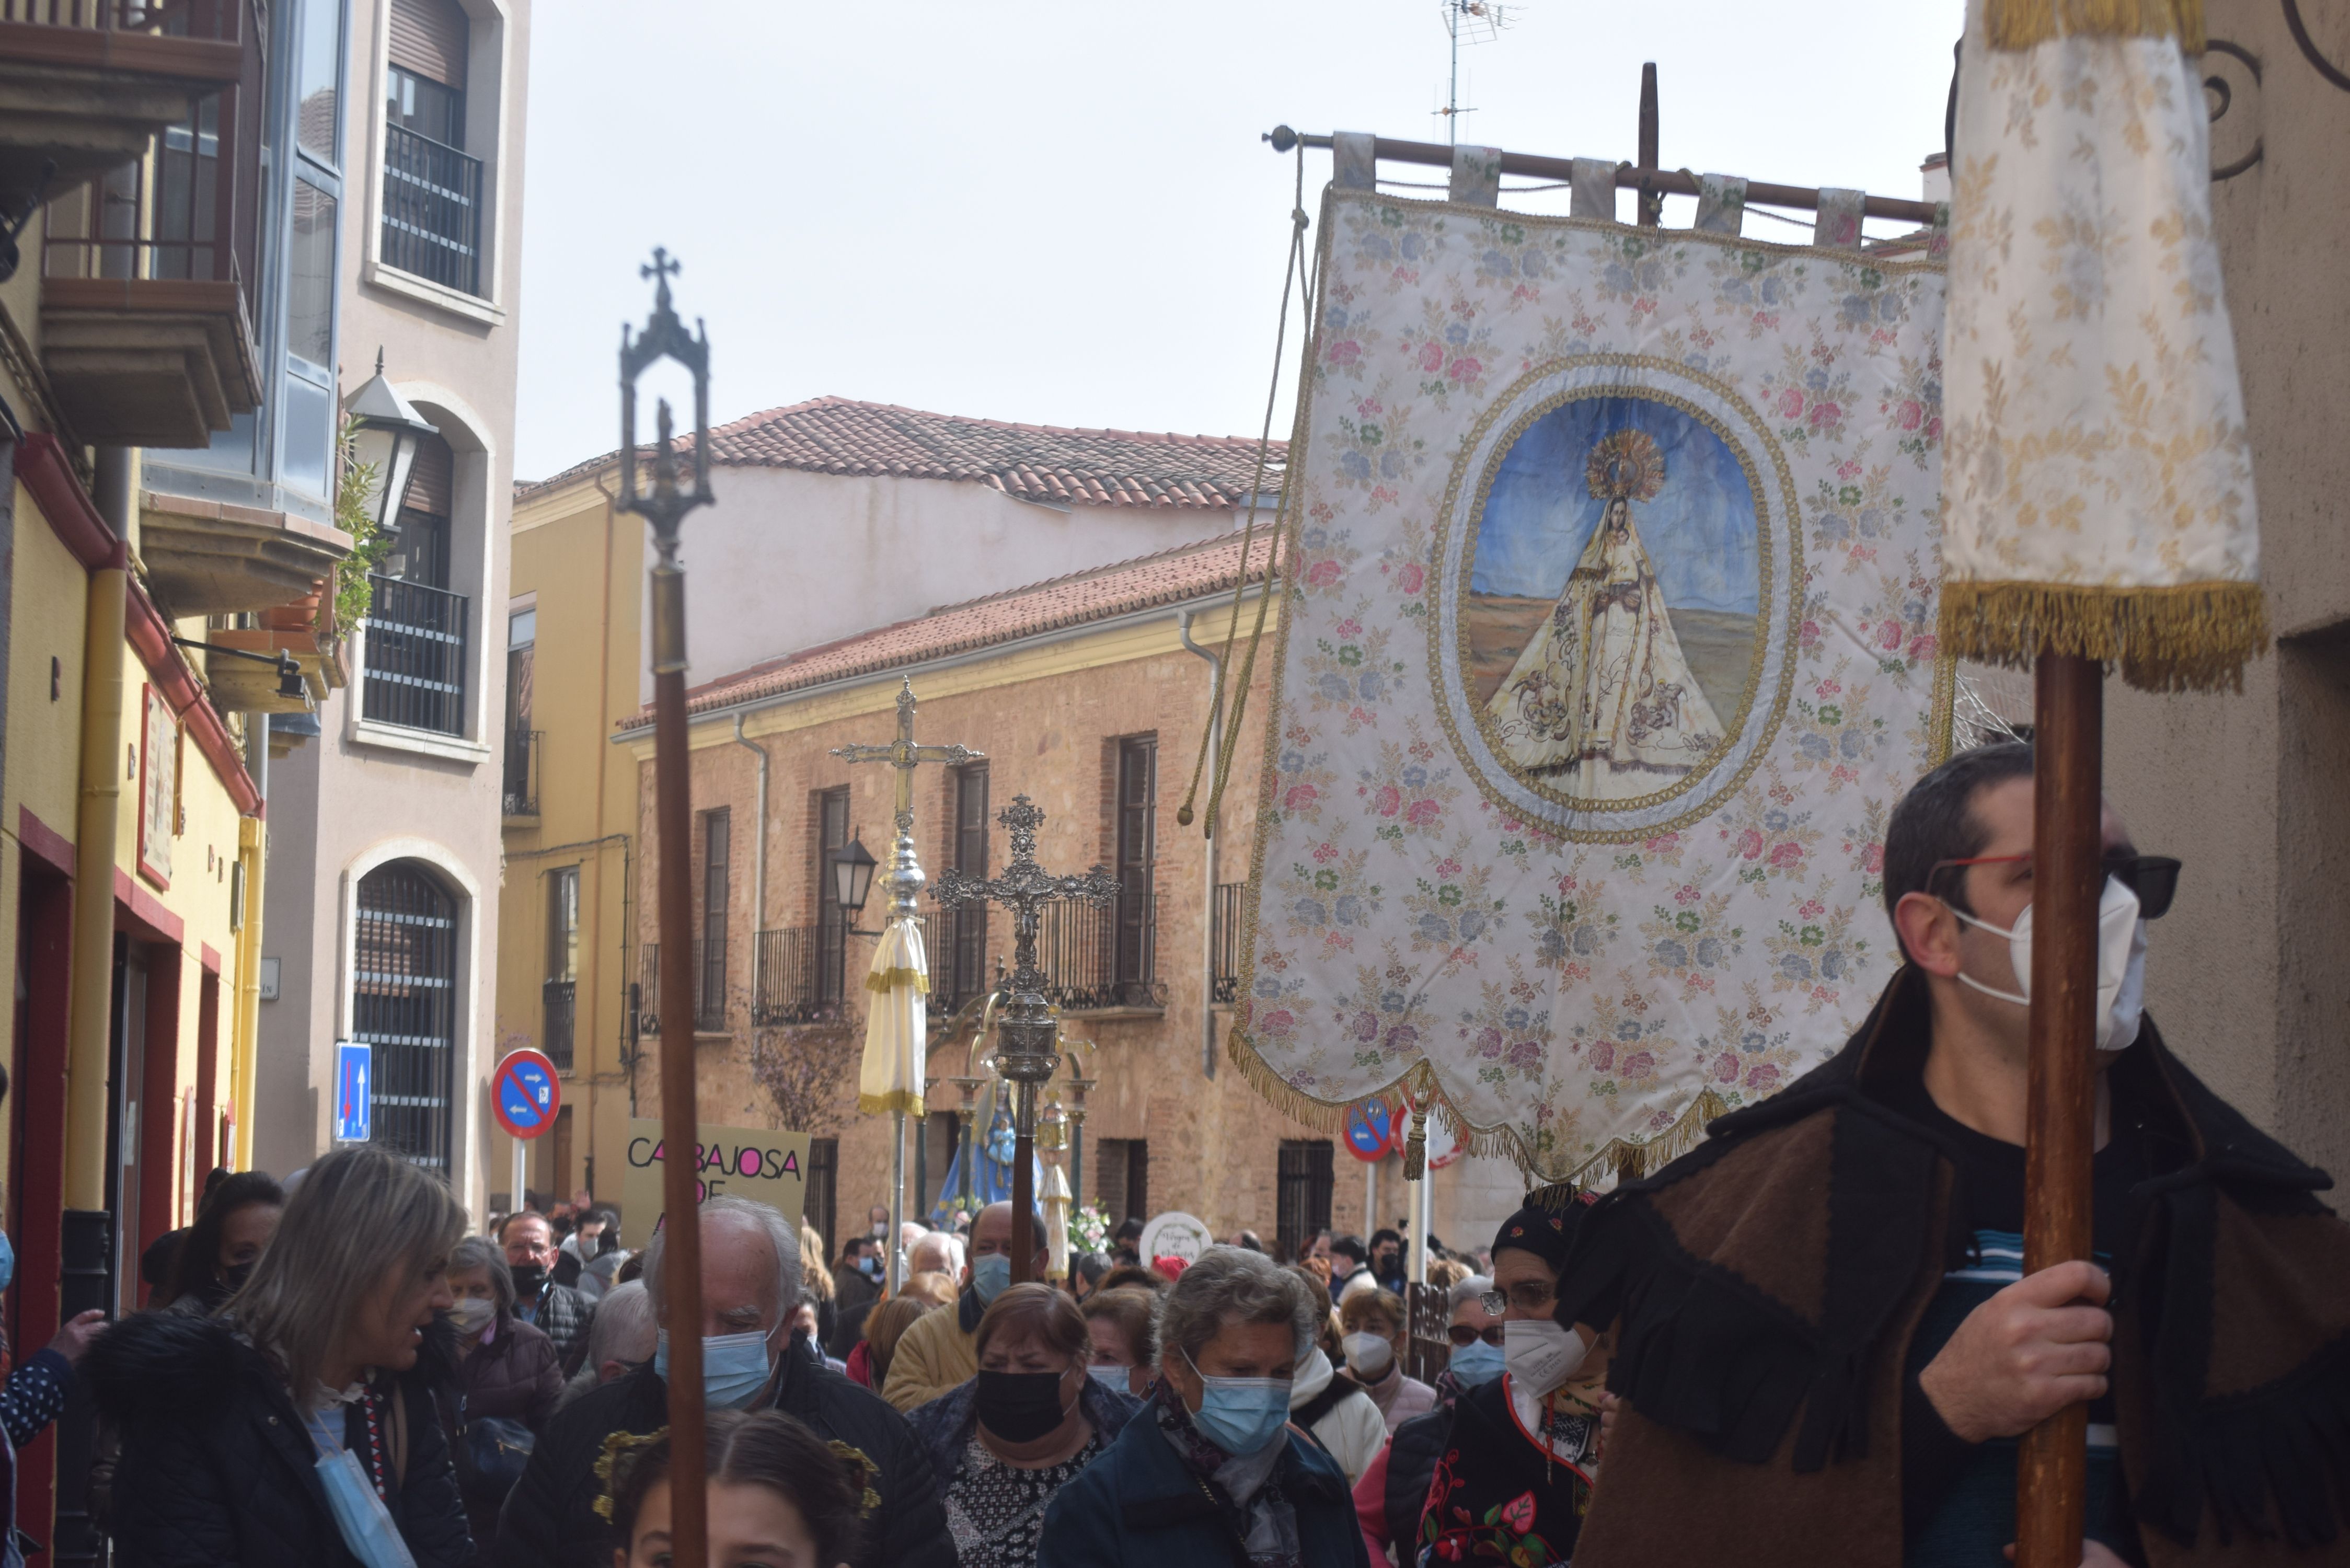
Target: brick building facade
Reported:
point(1084, 697)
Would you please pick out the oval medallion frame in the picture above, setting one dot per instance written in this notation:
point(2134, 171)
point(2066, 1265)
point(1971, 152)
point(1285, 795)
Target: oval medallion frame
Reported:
point(1779, 549)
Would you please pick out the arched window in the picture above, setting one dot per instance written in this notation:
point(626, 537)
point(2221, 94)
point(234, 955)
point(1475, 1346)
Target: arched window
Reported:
point(404, 1004)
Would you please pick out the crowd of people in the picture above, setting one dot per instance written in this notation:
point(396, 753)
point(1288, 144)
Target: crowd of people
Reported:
point(1819, 1336)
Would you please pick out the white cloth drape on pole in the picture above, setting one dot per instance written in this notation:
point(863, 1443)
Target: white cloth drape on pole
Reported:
point(2097, 489)
point(897, 1023)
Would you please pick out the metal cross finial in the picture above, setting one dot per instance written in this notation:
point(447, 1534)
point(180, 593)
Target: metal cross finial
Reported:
point(663, 269)
point(665, 504)
point(905, 879)
point(1026, 1029)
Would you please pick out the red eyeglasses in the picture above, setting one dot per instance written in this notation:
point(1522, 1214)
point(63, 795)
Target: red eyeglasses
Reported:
point(2153, 877)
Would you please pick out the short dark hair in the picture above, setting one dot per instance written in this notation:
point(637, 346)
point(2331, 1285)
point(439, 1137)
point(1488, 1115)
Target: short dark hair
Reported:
point(1349, 1246)
point(1936, 821)
point(1129, 1229)
point(1384, 1234)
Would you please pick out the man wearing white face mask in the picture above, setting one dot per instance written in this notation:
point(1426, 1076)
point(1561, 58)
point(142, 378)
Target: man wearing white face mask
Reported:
point(1515, 1476)
point(940, 1353)
point(1828, 1345)
point(750, 1284)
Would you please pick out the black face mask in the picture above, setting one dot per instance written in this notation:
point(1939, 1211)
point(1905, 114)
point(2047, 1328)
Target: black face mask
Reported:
point(1020, 1407)
point(233, 1278)
point(529, 1279)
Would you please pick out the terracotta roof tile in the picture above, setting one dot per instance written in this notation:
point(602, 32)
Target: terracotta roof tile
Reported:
point(1171, 577)
point(1035, 463)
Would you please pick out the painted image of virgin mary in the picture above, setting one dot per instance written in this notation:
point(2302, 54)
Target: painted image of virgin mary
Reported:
point(1601, 704)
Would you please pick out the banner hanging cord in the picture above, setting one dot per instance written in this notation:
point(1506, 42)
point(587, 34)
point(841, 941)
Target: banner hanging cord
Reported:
point(1294, 275)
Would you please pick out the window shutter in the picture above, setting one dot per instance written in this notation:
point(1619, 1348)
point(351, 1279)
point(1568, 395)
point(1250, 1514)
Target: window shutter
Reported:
point(429, 37)
point(432, 482)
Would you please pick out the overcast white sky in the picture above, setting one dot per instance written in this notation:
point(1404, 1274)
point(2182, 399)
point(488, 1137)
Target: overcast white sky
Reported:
point(1062, 213)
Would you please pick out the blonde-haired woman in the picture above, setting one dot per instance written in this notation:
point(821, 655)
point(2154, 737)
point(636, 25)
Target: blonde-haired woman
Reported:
point(296, 1425)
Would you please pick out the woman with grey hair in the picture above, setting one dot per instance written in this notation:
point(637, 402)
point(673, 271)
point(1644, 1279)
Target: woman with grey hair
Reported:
point(1214, 1474)
point(297, 1428)
point(509, 1375)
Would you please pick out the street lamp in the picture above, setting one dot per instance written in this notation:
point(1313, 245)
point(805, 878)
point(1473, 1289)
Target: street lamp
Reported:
point(852, 882)
point(387, 431)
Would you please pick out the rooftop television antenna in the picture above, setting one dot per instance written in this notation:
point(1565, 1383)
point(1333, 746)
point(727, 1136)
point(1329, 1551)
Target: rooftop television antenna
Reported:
point(1469, 22)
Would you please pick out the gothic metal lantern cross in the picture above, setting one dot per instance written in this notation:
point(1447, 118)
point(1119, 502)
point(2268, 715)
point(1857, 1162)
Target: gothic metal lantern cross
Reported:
point(1026, 1030)
point(664, 506)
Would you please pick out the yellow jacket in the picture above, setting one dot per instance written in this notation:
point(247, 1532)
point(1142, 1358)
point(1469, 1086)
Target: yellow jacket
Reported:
point(936, 1353)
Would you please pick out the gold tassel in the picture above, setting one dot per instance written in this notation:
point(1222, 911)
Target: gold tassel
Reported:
point(1415, 1148)
point(907, 1100)
point(2015, 24)
point(2192, 638)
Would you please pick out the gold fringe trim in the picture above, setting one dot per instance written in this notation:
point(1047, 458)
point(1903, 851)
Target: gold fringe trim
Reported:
point(2014, 24)
point(1627, 1158)
point(2192, 638)
point(907, 1100)
point(888, 980)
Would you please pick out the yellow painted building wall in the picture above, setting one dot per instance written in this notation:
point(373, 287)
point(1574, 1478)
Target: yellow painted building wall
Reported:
point(586, 568)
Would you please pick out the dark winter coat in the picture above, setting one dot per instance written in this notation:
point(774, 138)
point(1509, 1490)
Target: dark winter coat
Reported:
point(1766, 1287)
point(218, 1471)
point(551, 1522)
point(1140, 1506)
point(517, 1376)
point(947, 1424)
point(565, 1316)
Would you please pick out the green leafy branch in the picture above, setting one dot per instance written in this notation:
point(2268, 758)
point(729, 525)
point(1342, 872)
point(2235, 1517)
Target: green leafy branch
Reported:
point(353, 483)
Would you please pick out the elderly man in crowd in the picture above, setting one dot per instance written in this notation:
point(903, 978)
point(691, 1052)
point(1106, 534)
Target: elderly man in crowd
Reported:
point(558, 1312)
point(622, 1339)
point(938, 1353)
point(750, 1283)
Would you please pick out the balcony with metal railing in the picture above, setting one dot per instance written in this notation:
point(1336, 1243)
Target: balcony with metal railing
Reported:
point(558, 1001)
point(1224, 943)
point(1101, 960)
point(794, 978)
point(416, 653)
point(520, 789)
point(432, 209)
point(708, 988)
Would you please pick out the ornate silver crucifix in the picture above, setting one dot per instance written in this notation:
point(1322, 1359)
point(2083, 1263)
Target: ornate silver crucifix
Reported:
point(1026, 1030)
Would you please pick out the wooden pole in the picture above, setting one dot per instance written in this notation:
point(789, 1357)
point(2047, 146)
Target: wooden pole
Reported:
point(673, 826)
point(2068, 718)
point(1652, 199)
point(1024, 1185)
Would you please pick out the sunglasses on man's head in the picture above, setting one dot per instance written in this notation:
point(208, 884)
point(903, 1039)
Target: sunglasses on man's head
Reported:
point(1462, 1335)
point(2153, 877)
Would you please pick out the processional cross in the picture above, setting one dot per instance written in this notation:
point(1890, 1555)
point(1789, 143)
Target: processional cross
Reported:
point(905, 878)
point(905, 883)
point(1026, 1029)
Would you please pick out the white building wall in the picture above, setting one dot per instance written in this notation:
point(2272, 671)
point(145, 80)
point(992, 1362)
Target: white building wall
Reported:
point(786, 560)
point(357, 796)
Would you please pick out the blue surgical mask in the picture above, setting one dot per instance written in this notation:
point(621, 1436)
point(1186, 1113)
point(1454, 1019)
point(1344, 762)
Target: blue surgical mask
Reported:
point(990, 1273)
point(734, 1367)
point(1476, 1363)
point(1113, 1378)
point(8, 1261)
point(1241, 1415)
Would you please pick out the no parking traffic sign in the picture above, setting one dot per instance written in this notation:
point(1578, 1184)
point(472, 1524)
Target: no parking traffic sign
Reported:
point(524, 1094)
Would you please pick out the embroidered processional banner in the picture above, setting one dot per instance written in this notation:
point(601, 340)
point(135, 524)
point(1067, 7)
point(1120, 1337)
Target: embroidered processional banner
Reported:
point(1607, 645)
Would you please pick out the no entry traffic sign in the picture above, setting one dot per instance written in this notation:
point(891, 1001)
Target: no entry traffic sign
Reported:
point(524, 1094)
point(1370, 1130)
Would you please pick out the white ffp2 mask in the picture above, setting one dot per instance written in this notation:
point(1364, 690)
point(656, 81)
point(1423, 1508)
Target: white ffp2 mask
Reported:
point(1542, 1354)
point(2121, 964)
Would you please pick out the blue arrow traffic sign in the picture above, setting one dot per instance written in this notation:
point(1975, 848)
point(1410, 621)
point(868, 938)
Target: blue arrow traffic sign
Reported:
point(354, 1098)
point(524, 1094)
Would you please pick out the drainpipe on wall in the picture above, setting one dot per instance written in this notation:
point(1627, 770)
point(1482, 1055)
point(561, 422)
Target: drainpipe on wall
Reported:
point(96, 816)
point(758, 843)
point(252, 844)
point(1207, 906)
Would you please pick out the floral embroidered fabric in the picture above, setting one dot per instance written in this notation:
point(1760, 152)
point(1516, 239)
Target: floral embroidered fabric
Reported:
point(995, 1511)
